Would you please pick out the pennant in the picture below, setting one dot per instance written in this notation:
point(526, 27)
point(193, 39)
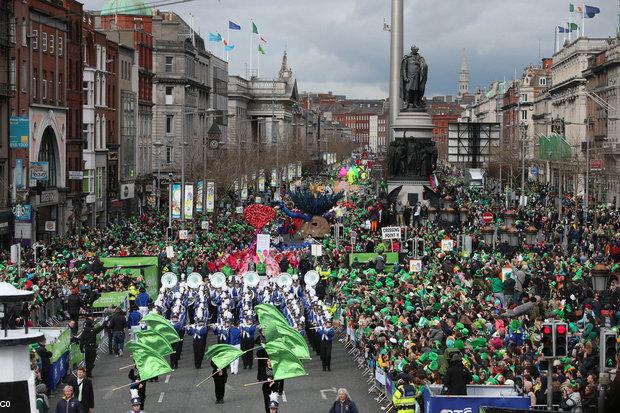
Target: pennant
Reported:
point(229, 47)
point(233, 26)
point(215, 37)
point(262, 39)
point(223, 354)
point(285, 364)
point(591, 11)
point(254, 28)
point(260, 49)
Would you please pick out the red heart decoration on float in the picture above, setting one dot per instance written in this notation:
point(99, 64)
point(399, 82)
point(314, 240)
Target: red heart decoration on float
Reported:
point(259, 215)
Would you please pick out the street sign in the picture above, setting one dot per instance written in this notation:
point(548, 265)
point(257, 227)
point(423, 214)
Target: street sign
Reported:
point(487, 217)
point(205, 225)
point(183, 234)
point(447, 245)
point(390, 232)
point(316, 250)
point(596, 164)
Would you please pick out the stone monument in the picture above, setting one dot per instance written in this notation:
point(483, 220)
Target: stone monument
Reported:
point(411, 153)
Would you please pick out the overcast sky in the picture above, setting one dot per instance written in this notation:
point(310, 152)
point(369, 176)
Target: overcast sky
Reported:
point(340, 45)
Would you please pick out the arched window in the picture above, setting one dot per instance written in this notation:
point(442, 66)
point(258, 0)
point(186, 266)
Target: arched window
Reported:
point(47, 153)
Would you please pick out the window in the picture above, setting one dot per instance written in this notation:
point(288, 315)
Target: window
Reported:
point(542, 81)
point(87, 136)
point(34, 84)
point(524, 115)
point(44, 93)
point(12, 27)
point(523, 97)
point(51, 44)
point(98, 63)
point(59, 91)
point(88, 181)
point(44, 41)
point(168, 155)
point(35, 39)
point(24, 32)
point(169, 119)
point(169, 95)
point(103, 91)
point(104, 59)
point(98, 91)
point(87, 88)
point(168, 64)
point(59, 48)
point(99, 183)
point(102, 138)
point(12, 73)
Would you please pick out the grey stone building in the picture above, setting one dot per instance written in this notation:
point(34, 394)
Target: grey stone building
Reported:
point(181, 95)
point(264, 108)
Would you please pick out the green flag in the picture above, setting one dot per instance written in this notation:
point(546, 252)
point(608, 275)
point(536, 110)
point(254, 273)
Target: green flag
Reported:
point(294, 341)
point(151, 366)
point(269, 311)
point(260, 49)
point(572, 26)
point(155, 341)
point(159, 324)
point(571, 7)
point(223, 354)
point(149, 363)
point(285, 364)
point(254, 28)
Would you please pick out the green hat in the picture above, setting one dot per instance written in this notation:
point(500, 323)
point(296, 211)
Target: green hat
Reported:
point(459, 344)
point(433, 366)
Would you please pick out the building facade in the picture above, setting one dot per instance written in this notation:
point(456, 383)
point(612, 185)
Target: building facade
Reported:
point(133, 19)
point(99, 121)
point(181, 97)
point(603, 124)
point(43, 111)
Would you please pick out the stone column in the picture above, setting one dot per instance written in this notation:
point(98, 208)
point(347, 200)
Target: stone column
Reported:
point(396, 56)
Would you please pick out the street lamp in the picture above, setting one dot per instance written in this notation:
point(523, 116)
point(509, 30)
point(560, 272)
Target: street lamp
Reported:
point(158, 145)
point(523, 129)
point(600, 275)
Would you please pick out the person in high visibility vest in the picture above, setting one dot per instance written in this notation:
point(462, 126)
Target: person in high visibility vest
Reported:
point(404, 397)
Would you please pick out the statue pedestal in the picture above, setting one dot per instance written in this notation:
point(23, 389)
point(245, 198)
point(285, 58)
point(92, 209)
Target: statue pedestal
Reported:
point(413, 132)
point(413, 124)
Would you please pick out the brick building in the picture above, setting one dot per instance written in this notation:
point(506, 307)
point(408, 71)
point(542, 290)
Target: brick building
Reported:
point(443, 111)
point(132, 18)
point(43, 111)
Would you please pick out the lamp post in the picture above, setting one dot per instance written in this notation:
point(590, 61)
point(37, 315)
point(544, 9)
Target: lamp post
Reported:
point(158, 145)
point(600, 275)
point(523, 129)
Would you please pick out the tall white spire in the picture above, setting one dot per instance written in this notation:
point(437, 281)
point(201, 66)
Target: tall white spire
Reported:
point(463, 77)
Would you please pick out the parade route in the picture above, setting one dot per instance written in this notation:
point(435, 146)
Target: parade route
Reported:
point(177, 392)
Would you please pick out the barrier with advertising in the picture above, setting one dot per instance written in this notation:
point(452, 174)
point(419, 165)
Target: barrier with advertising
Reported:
point(148, 266)
point(434, 402)
point(115, 298)
point(391, 258)
point(58, 341)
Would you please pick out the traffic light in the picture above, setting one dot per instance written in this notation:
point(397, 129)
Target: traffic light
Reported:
point(561, 340)
point(610, 349)
point(547, 340)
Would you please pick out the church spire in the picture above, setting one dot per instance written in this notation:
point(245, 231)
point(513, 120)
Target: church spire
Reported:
point(463, 77)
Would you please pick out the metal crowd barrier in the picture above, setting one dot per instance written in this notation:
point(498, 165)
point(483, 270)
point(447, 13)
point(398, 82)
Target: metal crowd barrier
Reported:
point(48, 313)
point(381, 387)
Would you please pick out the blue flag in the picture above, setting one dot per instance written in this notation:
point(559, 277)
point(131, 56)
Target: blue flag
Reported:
point(233, 26)
point(562, 29)
point(591, 11)
point(215, 37)
point(229, 47)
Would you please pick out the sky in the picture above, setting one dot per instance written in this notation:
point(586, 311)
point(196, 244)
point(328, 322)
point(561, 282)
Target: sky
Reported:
point(340, 45)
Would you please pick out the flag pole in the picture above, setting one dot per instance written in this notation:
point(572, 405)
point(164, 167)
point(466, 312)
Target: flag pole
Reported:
point(251, 46)
point(258, 64)
point(583, 20)
point(570, 27)
point(227, 41)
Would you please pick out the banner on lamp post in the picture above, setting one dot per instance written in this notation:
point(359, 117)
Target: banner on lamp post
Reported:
point(176, 201)
point(189, 201)
point(210, 196)
point(274, 177)
point(199, 191)
point(261, 180)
